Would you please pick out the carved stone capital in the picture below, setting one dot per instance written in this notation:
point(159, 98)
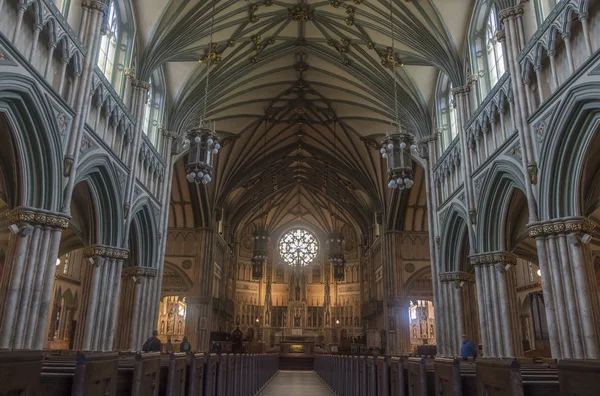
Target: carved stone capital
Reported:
point(532, 171)
point(95, 5)
point(105, 252)
point(529, 286)
point(510, 13)
point(493, 258)
point(170, 134)
point(561, 226)
point(457, 276)
point(23, 215)
point(139, 272)
point(129, 72)
point(140, 84)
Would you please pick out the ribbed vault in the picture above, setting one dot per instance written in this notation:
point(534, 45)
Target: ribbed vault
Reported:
point(301, 92)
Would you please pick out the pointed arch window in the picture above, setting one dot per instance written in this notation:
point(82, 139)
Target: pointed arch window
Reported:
point(63, 6)
point(452, 113)
point(494, 51)
point(146, 127)
point(543, 8)
point(108, 44)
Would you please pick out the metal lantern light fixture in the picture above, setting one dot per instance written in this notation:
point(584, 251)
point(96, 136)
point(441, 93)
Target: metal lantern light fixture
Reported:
point(397, 148)
point(336, 255)
point(398, 143)
point(261, 244)
point(203, 144)
point(202, 140)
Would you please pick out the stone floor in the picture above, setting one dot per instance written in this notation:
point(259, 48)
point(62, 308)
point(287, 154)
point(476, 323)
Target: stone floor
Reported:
point(295, 383)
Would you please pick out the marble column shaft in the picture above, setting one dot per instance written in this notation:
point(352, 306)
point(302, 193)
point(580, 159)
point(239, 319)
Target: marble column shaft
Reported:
point(28, 276)
point(569, 287)
point(455, 310)
point(498, 308)
point(100, 288)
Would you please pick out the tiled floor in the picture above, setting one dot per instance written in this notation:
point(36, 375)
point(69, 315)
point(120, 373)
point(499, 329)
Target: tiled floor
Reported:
point(295, 383)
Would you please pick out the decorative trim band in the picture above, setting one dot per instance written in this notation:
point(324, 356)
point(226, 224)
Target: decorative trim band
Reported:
point(457, 276)
point(493, 258)
point(23, 214)
point(529, 286)
point(139, 272)
point(106, 252)
point(197, 300)
point(561, 226)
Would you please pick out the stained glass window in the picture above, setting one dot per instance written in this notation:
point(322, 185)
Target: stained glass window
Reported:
point(298, 247)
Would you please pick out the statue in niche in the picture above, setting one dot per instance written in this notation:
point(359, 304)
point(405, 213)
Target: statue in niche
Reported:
point(391, 324)
point(431, 333)
point(414, 331)
point(171, 322)
point(297, 292)
point(296, 321)
point(327, 319)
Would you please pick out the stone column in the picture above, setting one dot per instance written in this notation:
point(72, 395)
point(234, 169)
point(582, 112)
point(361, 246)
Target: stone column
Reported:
point(28, 276)
point(498, 308)
point(199, 305)
point(569, 286)
point(131, 332)
point(398, 327)
point(458, 313)
point(101, 284)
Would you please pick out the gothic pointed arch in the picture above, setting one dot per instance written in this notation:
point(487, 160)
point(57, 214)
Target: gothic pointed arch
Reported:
point(104, 197)
point(175, 281)
point(455, 242)
point(143, 235)
point(31, 149)
point(565, 150)
point(497, 191)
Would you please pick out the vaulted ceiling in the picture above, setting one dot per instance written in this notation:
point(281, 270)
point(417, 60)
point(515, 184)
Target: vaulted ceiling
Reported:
point(302, 92)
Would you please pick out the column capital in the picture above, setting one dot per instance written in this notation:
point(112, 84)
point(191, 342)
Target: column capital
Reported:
point(561, 226)
point(457, 91)
point(457, 276)
point(105, 252)
point(510, 12)
point(137, 273)
point(140, 84)
point(493, 258)
point(23, 215)
point(94, 5)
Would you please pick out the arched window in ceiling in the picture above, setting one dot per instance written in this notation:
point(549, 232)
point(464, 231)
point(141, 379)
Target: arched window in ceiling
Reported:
point(447, 113)
point(487, 53)
point(543, 8)
point(495, 54)
point(153, 112)
point(116, 43)
point(63, 6)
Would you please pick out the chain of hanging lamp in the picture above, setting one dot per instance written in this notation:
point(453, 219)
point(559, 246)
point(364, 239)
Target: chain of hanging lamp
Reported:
point(336, 239)
point(261, 235)
point(398, 144)
point(202, 140)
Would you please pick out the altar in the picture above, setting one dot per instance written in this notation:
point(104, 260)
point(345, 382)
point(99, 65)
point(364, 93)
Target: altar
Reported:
point(297, 345)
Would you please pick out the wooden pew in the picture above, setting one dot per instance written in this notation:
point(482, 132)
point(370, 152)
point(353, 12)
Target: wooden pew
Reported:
point(499, 377)
point(578, 377)
point(95, 374)
point(383, 384)
point(146, 374)
point(20, 372)
point(196, 374)
point(447, 377)
point(173, 368)
point(210, 374)
point(398, 380)
point(421, 378)
point(222, 380)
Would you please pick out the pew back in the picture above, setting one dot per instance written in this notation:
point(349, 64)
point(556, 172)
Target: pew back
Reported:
point(498, 377)
point(447, 377)
point(20, 372)
point(95, 374)
point(578, 377)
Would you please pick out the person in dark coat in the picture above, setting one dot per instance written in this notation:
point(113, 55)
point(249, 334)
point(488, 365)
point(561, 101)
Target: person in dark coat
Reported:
point(185, 345)
point(153, 344)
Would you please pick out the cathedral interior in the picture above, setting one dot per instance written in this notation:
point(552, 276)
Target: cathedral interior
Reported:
point(354, 188)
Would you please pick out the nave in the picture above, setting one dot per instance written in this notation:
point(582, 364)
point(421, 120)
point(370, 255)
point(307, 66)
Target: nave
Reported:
point(295, 383)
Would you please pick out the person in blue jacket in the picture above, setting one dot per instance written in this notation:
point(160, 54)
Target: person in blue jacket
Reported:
point(468, 349)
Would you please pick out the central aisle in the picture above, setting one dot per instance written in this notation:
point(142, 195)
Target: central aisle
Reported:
point(295, 383)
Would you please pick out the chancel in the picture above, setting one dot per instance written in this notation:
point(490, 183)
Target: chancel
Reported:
point(351, 197)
